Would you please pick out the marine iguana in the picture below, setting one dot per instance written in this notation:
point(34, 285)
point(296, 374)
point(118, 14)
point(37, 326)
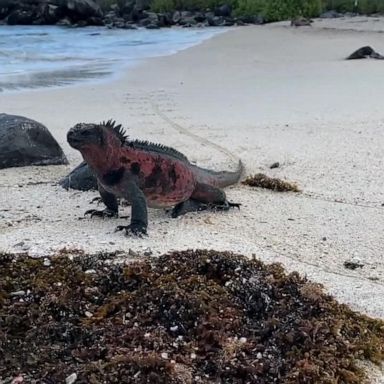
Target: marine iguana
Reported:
point(146, 174)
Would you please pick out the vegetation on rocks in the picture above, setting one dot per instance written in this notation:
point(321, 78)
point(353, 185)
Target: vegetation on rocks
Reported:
point(152, 14)
point(361, 6)
point(186, 317)
point(273, 10)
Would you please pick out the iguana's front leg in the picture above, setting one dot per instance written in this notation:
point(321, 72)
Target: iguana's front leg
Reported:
point(139, 214)
point(110, 201)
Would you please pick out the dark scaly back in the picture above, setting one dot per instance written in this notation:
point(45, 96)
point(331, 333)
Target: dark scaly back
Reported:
point(158, 148)
point(119, 131)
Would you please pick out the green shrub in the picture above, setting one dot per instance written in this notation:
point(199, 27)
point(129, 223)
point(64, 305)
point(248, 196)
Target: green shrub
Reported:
point(188, 5)
point(363, 6)
point(312, 8)
point(161, 6)
point(276, 10)
point(250, 7)
point(370, 6)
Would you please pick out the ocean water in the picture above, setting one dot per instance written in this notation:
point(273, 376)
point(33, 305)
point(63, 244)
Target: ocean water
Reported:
point(44, 56)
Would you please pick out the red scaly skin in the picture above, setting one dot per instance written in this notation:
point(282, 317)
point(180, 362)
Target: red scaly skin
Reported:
point(164, 180)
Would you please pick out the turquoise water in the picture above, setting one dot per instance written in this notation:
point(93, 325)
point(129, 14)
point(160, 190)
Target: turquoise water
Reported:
point(41, 56)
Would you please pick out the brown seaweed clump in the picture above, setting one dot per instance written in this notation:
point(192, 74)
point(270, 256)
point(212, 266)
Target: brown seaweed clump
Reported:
point(186, 317)
point(261, 180)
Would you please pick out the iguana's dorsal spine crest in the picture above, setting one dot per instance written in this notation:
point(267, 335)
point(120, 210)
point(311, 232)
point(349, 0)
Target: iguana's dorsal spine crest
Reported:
point(143, 145)
point(118, 130)
point(154, 147)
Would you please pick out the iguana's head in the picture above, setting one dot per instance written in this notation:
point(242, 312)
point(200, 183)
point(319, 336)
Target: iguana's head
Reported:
point(99, 137)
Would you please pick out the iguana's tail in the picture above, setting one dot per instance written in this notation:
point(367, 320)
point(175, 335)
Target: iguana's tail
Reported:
point(220, 179)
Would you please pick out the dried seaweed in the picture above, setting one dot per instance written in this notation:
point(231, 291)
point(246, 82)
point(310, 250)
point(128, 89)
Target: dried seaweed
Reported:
point(263, 181)
point(186, 317)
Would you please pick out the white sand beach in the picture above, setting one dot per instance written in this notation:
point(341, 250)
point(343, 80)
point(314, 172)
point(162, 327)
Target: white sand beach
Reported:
point(266, 94)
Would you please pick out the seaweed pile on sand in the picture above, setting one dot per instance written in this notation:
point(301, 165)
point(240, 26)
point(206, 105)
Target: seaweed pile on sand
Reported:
point(186, 317)
point(261, 180)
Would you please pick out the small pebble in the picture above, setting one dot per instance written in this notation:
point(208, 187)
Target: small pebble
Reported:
point(47, 262)
point(17, 293)
point(353, 264)
point(275, 165)
point(164, 355)
point(71, 378)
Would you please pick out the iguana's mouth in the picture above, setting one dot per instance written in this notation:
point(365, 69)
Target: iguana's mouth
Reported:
point(73, 139)
point(74, 142)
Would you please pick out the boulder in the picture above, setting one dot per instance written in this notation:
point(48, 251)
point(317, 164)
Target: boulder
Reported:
point(224, 10)
point(50, 11)
point(80, 178)
point(365, 52)
point(21, 17)
point(300, 22)
point(200, 17)
point(216, 21)
point(26, 142)
point(83, 8)
point(330, 15)
point(152, 26)
point(149, 18)
point(50, 14)
point(176, 17)
point(188, 21)
point(258, 19)
point(142, 5)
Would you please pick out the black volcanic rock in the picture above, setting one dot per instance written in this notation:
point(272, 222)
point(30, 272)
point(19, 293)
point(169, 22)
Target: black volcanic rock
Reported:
point(80, 178)
point(365, 52)
point(26, 142)
point(25, 12)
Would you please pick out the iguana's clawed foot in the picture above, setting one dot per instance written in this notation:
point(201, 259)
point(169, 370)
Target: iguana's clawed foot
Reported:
point(104, 213)
point(136, 230)
point(225, 206)
point(97, 200)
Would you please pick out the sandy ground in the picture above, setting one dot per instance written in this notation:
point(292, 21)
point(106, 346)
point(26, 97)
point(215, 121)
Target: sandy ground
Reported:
point(266, 94)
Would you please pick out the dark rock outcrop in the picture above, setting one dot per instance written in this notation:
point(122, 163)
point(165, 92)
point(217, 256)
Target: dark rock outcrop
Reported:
point(330, 15)
point(24, 12)
point(363, 53)
point(126, 14)
point(300, 22)
point(80, 178)
point(224, 10)
point(26, 142)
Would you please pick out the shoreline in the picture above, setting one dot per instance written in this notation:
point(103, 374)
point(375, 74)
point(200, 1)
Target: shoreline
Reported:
point(106, 64)
point(242, 106)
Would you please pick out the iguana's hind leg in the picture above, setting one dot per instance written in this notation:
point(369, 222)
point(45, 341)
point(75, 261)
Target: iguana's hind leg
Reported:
point(110, 201)
point(188, 206)
point(204, 197)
